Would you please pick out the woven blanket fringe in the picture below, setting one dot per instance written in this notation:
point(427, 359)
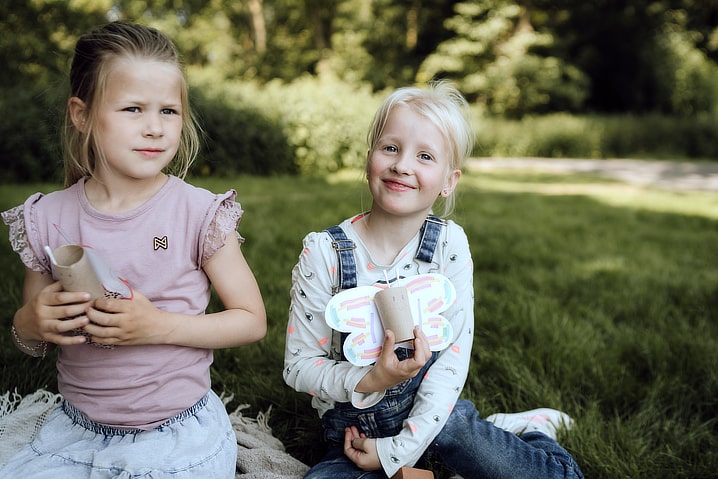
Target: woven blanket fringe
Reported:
point(21, 418)
point(260, 455)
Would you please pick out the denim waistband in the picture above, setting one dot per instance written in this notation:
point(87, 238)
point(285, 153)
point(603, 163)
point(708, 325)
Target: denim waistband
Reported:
point(80, 419)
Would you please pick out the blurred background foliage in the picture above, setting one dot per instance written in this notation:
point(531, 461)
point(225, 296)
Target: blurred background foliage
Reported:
point(289, 86)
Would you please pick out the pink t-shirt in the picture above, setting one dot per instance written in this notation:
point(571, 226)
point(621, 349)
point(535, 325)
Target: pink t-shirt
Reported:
point(159, 248)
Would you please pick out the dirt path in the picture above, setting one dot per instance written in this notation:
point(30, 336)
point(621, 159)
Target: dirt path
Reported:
point(696, 176)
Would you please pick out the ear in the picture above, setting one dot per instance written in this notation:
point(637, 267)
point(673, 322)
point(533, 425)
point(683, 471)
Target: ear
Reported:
point(78, 113)
point(452, 179)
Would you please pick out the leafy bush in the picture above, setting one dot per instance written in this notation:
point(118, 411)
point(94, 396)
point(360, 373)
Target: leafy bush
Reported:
point(556, 135)
point(685, 76)
point(30, 119)
point(619, 136)
point(239, 139)
point(323, 122)
point(326, 122)
point(533, 84)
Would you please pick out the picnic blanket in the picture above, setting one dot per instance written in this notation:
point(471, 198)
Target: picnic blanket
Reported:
point(260, 455)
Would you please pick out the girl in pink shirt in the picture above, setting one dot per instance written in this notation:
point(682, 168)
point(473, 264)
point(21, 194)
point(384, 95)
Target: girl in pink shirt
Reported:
point(135, 382)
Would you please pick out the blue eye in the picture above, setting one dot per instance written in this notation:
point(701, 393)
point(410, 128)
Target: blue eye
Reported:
point(169, 111)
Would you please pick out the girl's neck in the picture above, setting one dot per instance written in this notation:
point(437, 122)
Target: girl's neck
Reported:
point(385, 236)
point(120, 196)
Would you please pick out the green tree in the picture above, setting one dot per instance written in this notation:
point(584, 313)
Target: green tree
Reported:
point(38, 37)
point(500, 60)
point(397, 36)
point(633, 50)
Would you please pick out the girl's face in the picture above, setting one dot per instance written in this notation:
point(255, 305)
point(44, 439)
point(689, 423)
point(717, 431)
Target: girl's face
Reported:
point(409, 167)
point(139, 120)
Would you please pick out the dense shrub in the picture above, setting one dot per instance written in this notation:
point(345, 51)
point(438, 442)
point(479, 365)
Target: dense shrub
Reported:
point(240, 139)
point(685, 76)
point(29, 134)
point(617, 136)
point(556, 135)
point(529, 83)
point(325, 122)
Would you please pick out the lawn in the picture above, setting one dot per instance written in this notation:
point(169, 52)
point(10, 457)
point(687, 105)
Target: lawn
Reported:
point(593, 297)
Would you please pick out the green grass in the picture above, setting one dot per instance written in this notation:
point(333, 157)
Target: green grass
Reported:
point(591, 296)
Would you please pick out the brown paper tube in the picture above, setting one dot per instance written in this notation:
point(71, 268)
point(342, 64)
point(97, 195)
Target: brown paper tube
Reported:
point(395, 312)
point(73, 269)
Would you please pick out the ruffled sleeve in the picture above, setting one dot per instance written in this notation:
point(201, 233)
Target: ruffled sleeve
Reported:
point(15, 219)
point(225, 221)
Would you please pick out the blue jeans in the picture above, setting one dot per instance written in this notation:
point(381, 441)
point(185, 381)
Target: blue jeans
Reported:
point(197, 443)
point(467, 445)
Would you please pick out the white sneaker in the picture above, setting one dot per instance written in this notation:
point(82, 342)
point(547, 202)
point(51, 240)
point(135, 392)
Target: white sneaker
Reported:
point(544, 420)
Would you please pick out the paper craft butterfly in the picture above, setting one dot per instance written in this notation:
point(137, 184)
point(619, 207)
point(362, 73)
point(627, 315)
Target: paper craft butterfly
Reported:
point(353, 311)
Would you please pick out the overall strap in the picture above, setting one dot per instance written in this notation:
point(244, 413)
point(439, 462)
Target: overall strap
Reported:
point(345, 256)
point(430, 231)
point(347, 270)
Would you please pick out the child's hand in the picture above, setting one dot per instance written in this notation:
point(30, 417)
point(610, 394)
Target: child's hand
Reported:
point(125, 321)
point(361, 450)
point(44, 316)
point(388, 371)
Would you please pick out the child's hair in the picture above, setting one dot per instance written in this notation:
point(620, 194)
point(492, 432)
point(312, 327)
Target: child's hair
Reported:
point(91, 66)
point(444, 106)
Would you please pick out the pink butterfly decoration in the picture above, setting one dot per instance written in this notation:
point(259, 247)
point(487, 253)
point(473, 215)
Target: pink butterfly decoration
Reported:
point(353, 311)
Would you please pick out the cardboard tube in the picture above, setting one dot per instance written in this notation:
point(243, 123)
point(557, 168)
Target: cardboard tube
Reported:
point(395, 312)
point(74, 270)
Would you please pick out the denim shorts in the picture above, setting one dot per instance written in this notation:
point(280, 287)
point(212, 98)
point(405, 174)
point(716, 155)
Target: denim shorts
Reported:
point(197, 443)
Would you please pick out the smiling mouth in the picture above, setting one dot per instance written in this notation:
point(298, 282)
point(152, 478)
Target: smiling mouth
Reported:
point(397, 185)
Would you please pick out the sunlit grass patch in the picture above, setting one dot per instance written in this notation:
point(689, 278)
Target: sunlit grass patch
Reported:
point(608, 191)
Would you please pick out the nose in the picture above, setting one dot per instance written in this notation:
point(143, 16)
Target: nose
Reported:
point(153, 125)
point(402, 164)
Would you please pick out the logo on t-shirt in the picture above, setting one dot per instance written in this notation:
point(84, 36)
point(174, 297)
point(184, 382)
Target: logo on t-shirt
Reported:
point(160, 242)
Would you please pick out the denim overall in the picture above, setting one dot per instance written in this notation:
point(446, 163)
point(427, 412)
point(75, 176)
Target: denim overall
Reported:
point(468, 445)
point(386, 417)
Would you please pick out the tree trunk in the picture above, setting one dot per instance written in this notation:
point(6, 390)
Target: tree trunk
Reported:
point(260, 29)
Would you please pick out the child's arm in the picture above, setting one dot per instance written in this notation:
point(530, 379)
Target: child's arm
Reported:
point(237, 287)
point(138, 321)
point(41, 317)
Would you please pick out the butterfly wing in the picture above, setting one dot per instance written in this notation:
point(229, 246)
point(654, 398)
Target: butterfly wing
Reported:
point(353, 311)
point(430, 295)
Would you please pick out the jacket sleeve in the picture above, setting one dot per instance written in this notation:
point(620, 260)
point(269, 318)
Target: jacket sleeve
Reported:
point(308, 363)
